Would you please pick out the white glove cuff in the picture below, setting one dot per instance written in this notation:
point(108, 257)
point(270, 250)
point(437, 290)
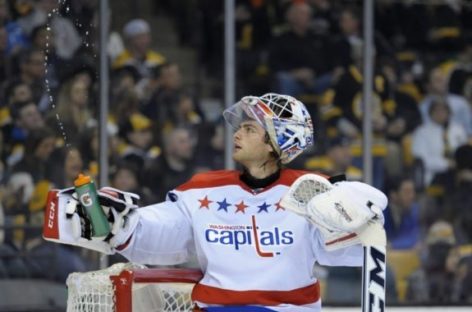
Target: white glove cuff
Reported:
point(123, 233)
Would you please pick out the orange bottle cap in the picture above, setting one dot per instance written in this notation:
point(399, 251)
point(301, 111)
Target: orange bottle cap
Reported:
point(82, 180)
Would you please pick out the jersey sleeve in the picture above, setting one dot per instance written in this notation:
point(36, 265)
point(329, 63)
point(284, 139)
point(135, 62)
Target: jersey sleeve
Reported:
point(347, 256)
point(163, 236)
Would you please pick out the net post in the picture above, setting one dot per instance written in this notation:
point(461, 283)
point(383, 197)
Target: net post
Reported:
point(123, 284)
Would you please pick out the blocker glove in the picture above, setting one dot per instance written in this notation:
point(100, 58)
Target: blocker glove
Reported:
point(67, 222)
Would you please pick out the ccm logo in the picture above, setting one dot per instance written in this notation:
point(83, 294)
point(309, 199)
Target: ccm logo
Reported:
point(52, 213)
point(377, 281)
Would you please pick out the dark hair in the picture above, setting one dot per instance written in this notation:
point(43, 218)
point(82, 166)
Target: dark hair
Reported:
point(129, 165)
point(16, 107)
point(36, 30)
point(395, 182)
point(10, 88)
point(156, 71)
point(125, 71)
point(35, 138)
point(24, 56)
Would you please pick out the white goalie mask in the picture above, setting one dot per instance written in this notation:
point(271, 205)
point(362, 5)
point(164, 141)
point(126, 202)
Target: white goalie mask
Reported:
point(285, 119)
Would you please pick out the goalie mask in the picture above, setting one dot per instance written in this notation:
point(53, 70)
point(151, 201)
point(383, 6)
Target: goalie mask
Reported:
point(285, 119)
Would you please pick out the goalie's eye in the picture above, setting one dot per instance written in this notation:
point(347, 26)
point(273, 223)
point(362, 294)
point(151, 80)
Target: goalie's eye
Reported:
point(249, 129)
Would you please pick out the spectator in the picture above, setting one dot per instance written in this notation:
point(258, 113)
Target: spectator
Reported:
point(38, 148)
point(31, 65)
point(254, 24)
point(460, 74)
point(324, 21)
point(461, 111)
point(16, 38)
point(72, 114)
point(298, 57)
point(338, 160)
point(184, 113)
point(431, 283)
point(162, 106)
point(66, 38)
point(17, 91)
point(138, 140)
point(463, 280)
point(43, 40)
point(126, 176)
point(214, 146)
point(402, 216)
point(26, 120)
point(90, 148)
point(10, 265)
point(138, 53)
point(175, 165)
point(125, 104)
point(347, 47)
point(403, 116)
point(435, 141)
point(69, 164)
point(458, 197)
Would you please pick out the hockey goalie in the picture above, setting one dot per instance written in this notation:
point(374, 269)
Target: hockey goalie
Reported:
point(256, 232)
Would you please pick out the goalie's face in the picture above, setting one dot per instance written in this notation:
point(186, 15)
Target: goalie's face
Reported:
point(250, 144)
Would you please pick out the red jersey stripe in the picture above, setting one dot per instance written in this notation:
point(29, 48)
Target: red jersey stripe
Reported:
point(214, 295)
point(231, 177)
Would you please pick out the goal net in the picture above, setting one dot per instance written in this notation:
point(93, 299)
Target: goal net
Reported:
point(126, 287)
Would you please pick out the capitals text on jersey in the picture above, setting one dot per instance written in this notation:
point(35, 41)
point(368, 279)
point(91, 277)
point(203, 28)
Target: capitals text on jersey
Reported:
point(240, 235)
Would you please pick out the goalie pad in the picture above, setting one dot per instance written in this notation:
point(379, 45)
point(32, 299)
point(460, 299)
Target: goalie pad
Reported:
point(63, 222)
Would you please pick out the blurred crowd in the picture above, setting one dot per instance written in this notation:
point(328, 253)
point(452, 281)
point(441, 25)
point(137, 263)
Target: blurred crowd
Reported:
point(160, 135)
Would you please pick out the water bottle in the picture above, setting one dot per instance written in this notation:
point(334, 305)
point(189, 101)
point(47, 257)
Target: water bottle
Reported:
point(87, 193)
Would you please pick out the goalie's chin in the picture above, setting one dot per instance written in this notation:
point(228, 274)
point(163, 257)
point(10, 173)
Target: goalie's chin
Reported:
point(237, 157)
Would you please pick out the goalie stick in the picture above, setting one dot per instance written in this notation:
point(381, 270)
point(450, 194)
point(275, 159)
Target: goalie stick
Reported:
point(372, 236)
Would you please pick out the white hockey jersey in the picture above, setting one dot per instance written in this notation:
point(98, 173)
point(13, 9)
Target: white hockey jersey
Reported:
point(251, 251)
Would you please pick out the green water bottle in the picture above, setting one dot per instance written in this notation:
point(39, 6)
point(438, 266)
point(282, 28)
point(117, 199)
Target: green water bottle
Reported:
point(87, 193)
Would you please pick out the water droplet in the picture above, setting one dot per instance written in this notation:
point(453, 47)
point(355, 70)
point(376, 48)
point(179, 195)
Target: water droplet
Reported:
point(48, 28)
point(67, 9)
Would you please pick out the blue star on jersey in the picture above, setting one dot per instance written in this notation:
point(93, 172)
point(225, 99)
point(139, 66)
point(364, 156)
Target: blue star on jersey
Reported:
point(223, 205)
point(263, 207)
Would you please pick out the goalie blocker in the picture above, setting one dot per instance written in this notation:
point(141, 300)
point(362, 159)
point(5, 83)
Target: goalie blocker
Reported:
point(66, 222)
